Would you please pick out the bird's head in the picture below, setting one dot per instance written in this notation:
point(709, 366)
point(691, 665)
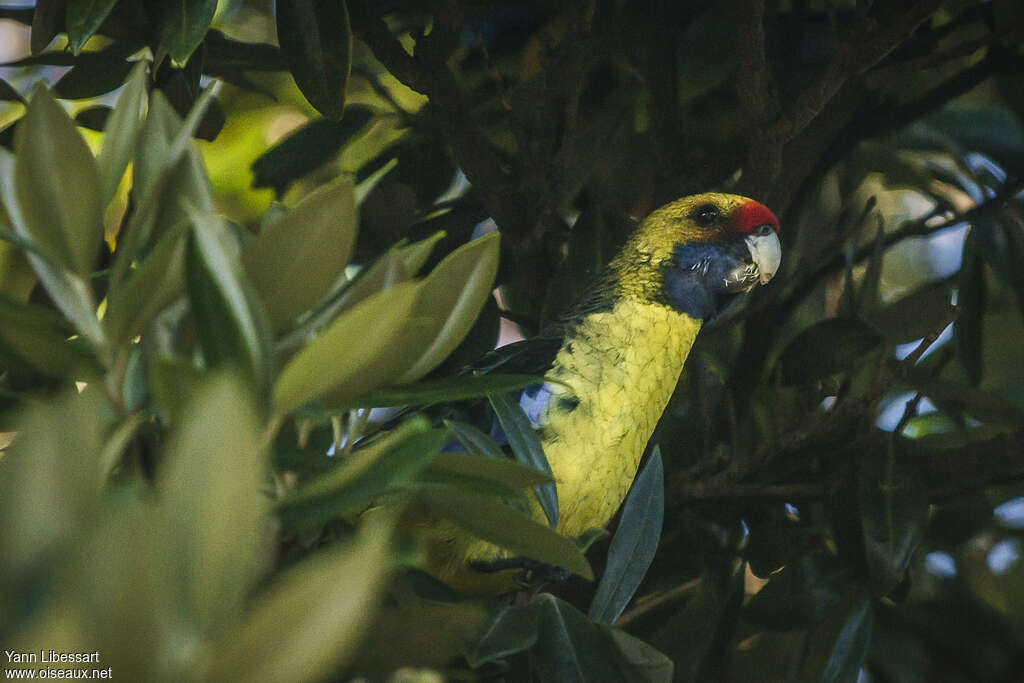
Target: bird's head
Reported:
point(696, 253)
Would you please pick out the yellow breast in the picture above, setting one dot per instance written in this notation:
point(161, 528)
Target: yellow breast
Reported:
point(613, 378)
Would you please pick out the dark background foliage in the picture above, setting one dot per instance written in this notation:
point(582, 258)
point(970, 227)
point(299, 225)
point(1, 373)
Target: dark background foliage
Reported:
point(843, 455)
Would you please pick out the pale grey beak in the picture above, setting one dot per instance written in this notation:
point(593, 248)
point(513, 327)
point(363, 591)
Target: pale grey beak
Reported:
point(766, 253)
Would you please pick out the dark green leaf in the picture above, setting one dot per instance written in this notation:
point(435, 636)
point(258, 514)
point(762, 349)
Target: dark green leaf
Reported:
point(851, 646)
point(8, 93)
point(920, 313)
point(47, 22)
point(492, 521)
point(41, 338)
point(443, 390)
point(527, 449)
point(230, 329)
point(635, 542)
point(182, 24)
point(638, 661)
point(474, 440)
point(894, 517)
point(93, 118)
point(317, 43)
point(385, 464)
point(308, 148)
point(1014, 231)
point(510, 630)
point(967, 330)
point(827, 348)
point(124, 125)
point(800, 595)
point(173, 383)
point(570, 647)
point(990, 129)
point(955, 397)
point(225, 53)
point(94, 75)
point(83, 18)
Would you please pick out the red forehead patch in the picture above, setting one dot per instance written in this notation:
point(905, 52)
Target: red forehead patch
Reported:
point(752, 214)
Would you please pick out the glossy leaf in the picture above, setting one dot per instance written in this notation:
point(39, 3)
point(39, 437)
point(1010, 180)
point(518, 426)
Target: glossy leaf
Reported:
point(295, 261)
point(122, 130)
point(182, 24)
point(388, 462)
point(527, 449)
point(492, 521)
point(316, 40)
point(634, 544)
point(894, 517)
point(83, 18)
point(444, 390)
point(306, 149)
point(308, 624)
point(827, 348)
point(57, 185)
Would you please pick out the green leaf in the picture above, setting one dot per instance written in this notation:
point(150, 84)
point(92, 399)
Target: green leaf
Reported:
point(894, 517)
point(316, 40)
point(800, 595)
point(92, 76)
point(121, 132)
point(173, 383)
point(570, 647)
point(635, 542)
point(638, 661)
point(153, 285)
point(955, 397)
point(527, 449)
point(971, 296)
point(57, 185)
point(41, 338)
point(510, 630)
point(228, 326)
point(182, 24)
point(827, 348)
point(84, 17)
point(306, 149)
point(474, 440)
point(414, 256)
point(308, 624)
point(70, 293)
point(444, 390)
point(469, 471)
point(47, 22)
point(835, 651)
point(8, 93)
point(492, 521)
point(362, 349)
point(212, 515)
point(296, 260)
point(389, 462)
point(452, 297)
point(920, 313)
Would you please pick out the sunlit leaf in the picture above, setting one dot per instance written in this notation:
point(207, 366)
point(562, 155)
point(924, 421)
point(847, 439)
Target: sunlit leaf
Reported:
point(296, 260)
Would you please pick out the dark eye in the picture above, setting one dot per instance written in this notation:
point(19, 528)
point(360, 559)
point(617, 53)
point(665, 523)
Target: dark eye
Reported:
point(705, 215)
point(763, 230)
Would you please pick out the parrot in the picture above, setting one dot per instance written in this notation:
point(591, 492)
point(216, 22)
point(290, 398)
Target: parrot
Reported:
point(613, 365)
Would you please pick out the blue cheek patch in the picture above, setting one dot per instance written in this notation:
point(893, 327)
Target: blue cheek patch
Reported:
point(694, 280)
